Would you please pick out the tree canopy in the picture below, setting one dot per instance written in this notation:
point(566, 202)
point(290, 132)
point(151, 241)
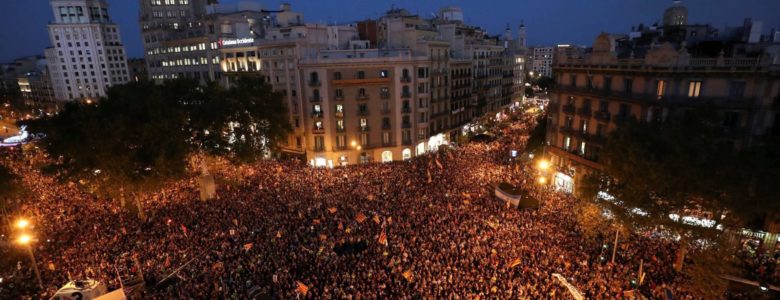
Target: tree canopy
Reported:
point(142, 133)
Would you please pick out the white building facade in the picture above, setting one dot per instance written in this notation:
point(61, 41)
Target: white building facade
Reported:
point(87, 55)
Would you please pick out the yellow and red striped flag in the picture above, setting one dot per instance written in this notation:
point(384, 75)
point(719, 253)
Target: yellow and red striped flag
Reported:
point(382, 238)
point(248, 246)
point(408, 275)
point(360, 217)
point(514, 263)
point(301, 288)
point(376, 219)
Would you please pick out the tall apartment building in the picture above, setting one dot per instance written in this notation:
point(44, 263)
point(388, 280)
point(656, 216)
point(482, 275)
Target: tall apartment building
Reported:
point(87, 56)
point(182, 37)
point(542, 60)
point(655, 73)
point(380, 90)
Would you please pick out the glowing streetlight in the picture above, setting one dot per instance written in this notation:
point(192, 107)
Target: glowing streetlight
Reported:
point(543, 165)
point(542, 180)
point(358, 147)
point(354, 143)
point(24, 239)
point(22, 223)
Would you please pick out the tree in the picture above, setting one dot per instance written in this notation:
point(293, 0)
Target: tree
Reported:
point(544, 82)
point(9, 186)
point(678, 167)
point(142, 134)
point(537, 138)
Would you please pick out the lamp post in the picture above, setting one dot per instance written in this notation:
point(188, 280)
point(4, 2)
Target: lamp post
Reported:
point(25, 241)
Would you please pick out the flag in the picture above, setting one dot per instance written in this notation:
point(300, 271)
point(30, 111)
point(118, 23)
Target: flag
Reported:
point(248, 246)
point(492, 224)
point(408, 182)
point(316, 221)
point(51, 266)
point(383, 238)
point(376, 219)
point(279, 234)
point(467, 195)
point(408, 275)
point(360, 217)
point(332, 210)
point(371, 197)
point(235, 222)
point(184, 229)
point(514, 263)
point(301, 288)
point(341, 226)
point(438, 163)
point(429, 176)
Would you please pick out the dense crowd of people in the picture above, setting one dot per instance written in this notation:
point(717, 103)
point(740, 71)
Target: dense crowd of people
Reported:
point(428, 227)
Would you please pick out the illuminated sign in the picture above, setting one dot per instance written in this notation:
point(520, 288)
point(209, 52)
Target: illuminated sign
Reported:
point(235, 42)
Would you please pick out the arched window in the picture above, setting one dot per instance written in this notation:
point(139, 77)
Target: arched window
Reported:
point(406, 153)
point(387, 156)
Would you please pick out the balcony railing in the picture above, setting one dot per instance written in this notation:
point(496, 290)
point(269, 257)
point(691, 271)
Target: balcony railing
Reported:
point(406, 125)
point(384, 96)
point(364, 128)
point(315, 98)
point(318, 130)
point(584, 112)
point(406, 142)
point(385, 111)
point(651, 98)
point(568, 108)
point(362, 97)
point(363, 112)
point(602, 116)
point(406, 109)
point(406, 79)
point(318, 148)
point(406, 94)
point(339, 97)
point(315, 83)
point(386, 126)
point(316, 114)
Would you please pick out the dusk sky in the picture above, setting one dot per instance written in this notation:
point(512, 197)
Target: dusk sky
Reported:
point(23, 22)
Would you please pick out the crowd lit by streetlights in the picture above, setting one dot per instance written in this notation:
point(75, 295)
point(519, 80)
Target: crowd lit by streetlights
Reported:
point(25, 239)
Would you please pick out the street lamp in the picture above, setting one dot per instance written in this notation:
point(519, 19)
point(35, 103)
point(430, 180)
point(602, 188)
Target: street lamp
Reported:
point(25, 240)
point(543, 165)
point(22, 224)
point(542, 180)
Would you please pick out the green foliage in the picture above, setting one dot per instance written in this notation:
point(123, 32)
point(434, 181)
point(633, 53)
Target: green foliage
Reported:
point(9, 185)
point(142, 134)
point(537, 138)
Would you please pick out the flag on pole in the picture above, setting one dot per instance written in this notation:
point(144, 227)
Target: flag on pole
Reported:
point(408, 275)
point(360, 217)
point(248, 246)
point(301, 288)
point(376, 219)
point(332, 210)
point(429, 176)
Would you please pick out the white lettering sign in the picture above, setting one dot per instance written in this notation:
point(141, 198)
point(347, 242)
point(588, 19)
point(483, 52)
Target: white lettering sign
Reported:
point(235, 42)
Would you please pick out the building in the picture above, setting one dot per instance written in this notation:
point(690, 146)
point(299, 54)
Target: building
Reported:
point(35, 85)
point(653, 73)
point(378, 90)
point(542, 60)
point(182, 37)
point(137, 68)
point(87, 56)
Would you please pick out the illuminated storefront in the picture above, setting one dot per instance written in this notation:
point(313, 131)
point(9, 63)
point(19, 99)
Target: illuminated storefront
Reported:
point(563, 182)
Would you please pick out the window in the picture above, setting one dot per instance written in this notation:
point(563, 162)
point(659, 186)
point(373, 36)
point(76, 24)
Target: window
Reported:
point(582, 148)
point(386, 138)
point(573, 80)
point(603, 106)
point(340, 125)
point(624, 110)
point(339, 93)
point(364, 139)
point(336, 75)
point(362, 92)
point(584, 126)
point(660, 89)
point(737, 89)
point(385, 123)
point(384, 92)
point(341, 141)
point(384, 74)
point(363, 123)
point(361, 75)
point(628, 85)
point(362, 109)
point(339, 109)
point(566, 143)
point(607, 84)
point(319, 143)
point(694, 89)
point(318, 125)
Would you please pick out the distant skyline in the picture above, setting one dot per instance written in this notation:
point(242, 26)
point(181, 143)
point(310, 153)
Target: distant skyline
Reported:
point(23, 24)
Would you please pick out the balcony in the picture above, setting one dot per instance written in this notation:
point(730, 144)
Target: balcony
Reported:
point(406, 109)
point(624, 118)
point(406, 142)
point(364, 128)
point(339, 148)
point(339, 114)
point(362, 112)
point(316, 114)
point(318, 130)
point(406, 79)
point(362, 97)
point(568, 108)
point(386, 127)
point(339, 97)
point(340, 129)
point(585, 112)
point(406, 125)
point(406, 94)
point(385, 111)
point(384, 96)
point(315, 83)
point(315, 98)
point(318, 148)
point(602, 116)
